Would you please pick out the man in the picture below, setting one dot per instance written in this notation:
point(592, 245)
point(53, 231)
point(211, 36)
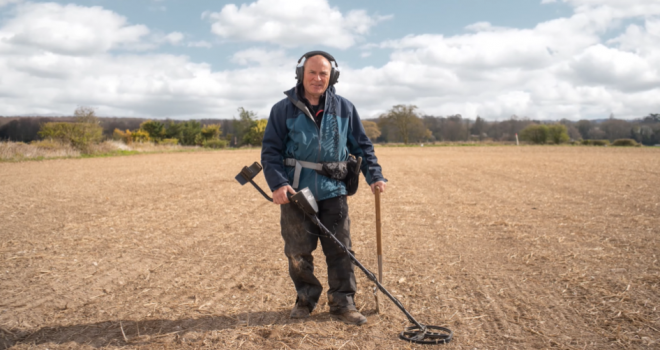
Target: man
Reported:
point(313, 125)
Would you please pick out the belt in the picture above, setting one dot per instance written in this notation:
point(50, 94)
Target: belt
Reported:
point(299, 164)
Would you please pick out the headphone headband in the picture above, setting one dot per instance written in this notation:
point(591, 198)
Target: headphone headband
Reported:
point(322, 53)
point(334, 73)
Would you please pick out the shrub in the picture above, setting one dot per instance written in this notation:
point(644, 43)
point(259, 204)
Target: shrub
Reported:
point(123, 136)
point(169, 142)
point(600, 142)
point(49, 144)
point(535, 133)
point(585, 142)
point(558, 133)
point(215, 143)
point(140, 136)
point(78, 135)
point(625, 143)
point(255, 134)
point(212, 131)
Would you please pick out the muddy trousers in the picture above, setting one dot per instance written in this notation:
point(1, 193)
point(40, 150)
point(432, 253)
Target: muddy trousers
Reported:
point(301, 237)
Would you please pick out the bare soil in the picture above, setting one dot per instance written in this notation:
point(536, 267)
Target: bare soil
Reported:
point(510, 247)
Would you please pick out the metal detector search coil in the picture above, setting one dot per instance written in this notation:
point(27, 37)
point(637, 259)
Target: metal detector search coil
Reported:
point(304, 199)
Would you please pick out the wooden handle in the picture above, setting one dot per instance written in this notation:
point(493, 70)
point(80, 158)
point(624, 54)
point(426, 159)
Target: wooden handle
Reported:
point(379, 243)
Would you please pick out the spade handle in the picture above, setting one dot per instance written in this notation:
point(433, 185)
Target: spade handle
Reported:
point(379, 242)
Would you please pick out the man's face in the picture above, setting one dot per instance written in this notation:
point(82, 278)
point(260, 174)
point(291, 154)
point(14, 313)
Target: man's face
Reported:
point(317, 75)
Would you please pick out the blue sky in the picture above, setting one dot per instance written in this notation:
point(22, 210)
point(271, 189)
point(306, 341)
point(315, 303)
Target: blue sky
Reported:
point(411, 17)
point(545, 59)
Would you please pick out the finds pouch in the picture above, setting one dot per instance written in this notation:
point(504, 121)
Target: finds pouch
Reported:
point(334, 170)
point(353, 176)
point(348, 172)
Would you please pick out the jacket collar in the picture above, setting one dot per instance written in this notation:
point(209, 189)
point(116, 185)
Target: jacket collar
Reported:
point(292, 94)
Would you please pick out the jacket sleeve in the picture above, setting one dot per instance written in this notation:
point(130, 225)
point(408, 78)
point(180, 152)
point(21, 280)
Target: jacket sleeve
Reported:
point(360, 146)
point(272, 149)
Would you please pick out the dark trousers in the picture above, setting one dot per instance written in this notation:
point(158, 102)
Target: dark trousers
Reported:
point(301, 237)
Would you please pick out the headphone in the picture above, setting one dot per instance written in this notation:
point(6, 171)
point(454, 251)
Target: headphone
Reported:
point(334, 73)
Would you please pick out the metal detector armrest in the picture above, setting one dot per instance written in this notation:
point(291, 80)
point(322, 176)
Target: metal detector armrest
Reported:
point(248, 173)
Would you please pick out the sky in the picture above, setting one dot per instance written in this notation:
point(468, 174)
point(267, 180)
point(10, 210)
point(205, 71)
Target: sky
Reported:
point(194, 59)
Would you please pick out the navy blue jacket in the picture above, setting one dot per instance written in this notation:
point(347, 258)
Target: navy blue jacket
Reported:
point(292, 133)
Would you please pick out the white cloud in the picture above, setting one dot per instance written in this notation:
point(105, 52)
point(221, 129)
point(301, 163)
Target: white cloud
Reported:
point(64, 58)
point(292, 23)
point(617, 8)
point(201, 43)
point(70, 29)
point(563, 68)
point(559, 69)
point(263, 57)
point(174, 38)
point(643, 40)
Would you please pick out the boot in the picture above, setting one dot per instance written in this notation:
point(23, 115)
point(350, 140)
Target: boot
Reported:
point(300, 312)
point(351, 317)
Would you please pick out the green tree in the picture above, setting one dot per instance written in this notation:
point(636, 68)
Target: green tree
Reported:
point(155, 129)
point(535, 133)
point(371, 129)
point(191, 131)
point(558, 133)
point(173, 130)
point(255, 134)
point(242, 125)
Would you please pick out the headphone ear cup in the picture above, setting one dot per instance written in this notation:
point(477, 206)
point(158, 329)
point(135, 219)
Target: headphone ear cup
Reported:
point(334, 76)
point(299, 73)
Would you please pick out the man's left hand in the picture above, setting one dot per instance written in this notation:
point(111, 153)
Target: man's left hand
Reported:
point(379, 185)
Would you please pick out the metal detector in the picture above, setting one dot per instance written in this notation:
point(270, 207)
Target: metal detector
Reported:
point(304, 199)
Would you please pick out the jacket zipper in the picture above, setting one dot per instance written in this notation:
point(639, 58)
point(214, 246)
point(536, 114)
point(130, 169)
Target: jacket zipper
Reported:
point(306, 111)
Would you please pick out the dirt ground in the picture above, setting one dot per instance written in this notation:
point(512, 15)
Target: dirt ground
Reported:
point(510, 247)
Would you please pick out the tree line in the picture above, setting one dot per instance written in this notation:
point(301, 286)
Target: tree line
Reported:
point(401, 124)
point(85, 128)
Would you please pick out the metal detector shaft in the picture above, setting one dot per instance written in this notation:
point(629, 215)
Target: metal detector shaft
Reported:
point(369, 274)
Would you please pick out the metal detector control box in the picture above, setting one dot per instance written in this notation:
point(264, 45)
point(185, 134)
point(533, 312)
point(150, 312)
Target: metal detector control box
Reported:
point(305, 200)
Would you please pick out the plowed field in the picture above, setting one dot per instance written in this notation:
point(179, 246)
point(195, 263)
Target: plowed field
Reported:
point(510, 247)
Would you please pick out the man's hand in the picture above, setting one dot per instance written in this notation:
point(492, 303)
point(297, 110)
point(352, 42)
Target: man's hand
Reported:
point(379, 185)
point(279, 196)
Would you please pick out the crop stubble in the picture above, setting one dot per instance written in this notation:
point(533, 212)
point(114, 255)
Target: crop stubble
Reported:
point(518, 248)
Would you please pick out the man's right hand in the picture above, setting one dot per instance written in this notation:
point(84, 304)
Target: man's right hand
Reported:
point(279, 196)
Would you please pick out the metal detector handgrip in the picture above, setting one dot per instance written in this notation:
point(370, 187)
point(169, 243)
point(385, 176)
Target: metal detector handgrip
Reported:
point(261, 191)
